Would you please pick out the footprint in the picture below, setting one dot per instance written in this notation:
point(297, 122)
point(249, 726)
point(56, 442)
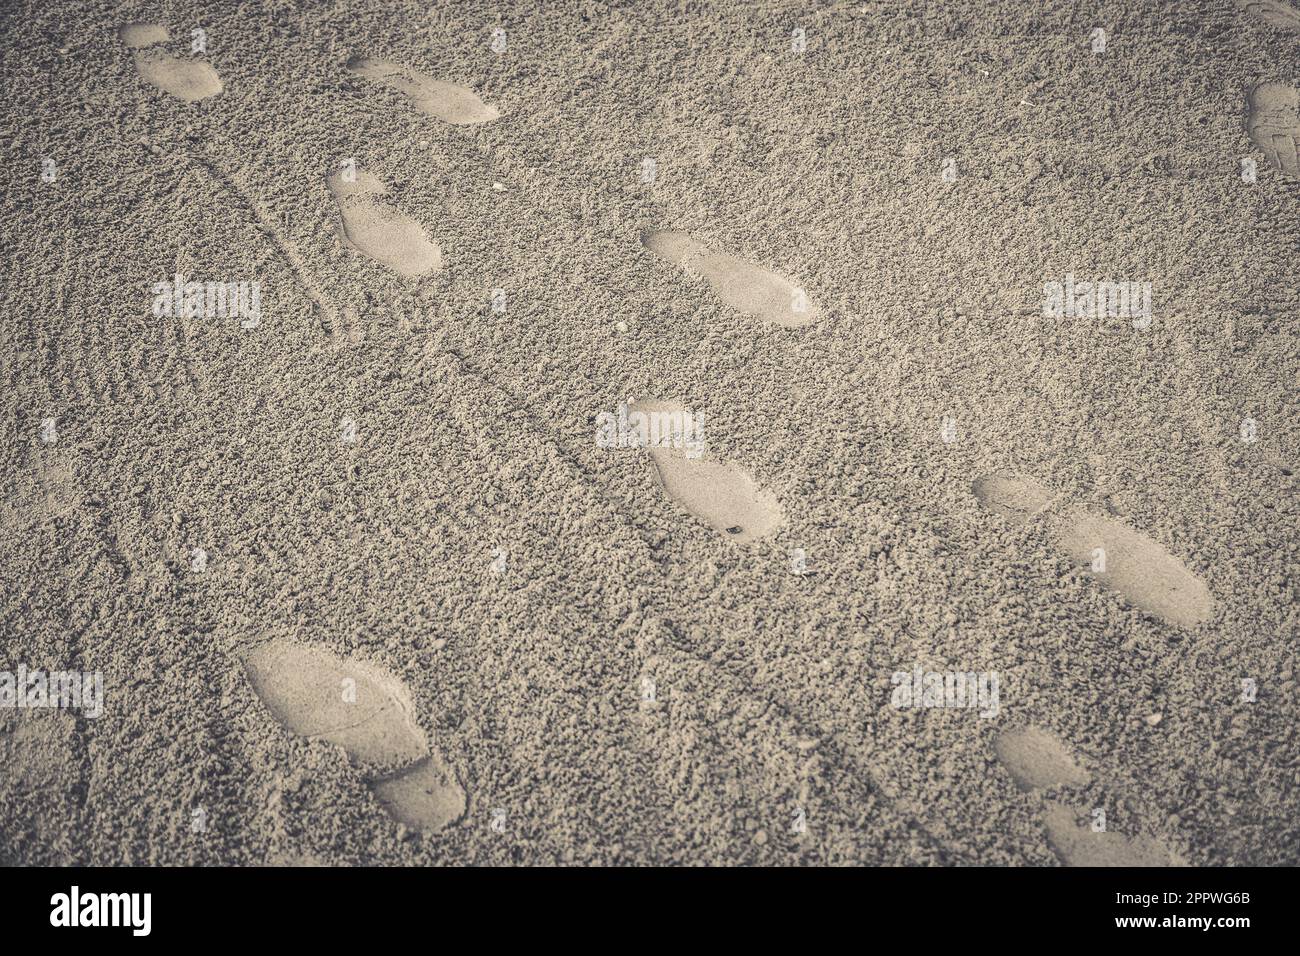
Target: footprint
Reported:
point(40, 788)
point(425, 796)
point(136, 35)
point(186, 79)
point(373, 226)
point(1135, 567)
point(1273, 124)
point(720, 494)
point(1039, 761)
point(1273, 12)
point(739, 284)
point(447, 101)
point(1079, 845)
point(366, 711)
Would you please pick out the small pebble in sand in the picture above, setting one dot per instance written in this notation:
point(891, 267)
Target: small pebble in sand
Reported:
point(621, 326)
point(498, 187)
point(424, 144)
point(1154, 719)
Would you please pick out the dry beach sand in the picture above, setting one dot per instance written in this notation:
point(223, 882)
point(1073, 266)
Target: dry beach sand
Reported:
point(365, 587)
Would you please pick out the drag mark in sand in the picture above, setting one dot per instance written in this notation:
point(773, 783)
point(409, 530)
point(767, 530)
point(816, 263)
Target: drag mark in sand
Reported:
point(720, 494)
point(1273, 124)
point(446, 101)
point(190, 80)
point(367, 712)
point(1039, 761)
point(740, 284)
point(376, 228)
point(1123, 560)
point(266, 223)
point(1273, 12)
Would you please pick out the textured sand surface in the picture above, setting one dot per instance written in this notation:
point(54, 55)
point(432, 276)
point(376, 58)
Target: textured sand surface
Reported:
point(365, 588)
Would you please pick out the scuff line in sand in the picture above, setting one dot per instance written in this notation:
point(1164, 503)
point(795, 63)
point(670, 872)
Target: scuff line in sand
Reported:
point(266, 223)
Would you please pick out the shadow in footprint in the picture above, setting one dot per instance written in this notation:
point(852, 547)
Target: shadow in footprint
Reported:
point(366, 711)
point(446, 101)
point(720, 494)
point(1039, 761)
point(375, 227)
point(1121, 559)
point(1273, 124)
point(738, 283)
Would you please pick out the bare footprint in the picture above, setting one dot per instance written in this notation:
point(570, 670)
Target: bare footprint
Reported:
point(366, 711)
point(1273, 124)
point(184, 78)
point(720, 494)
point(446, 101)
point(1080, 845)
point(1040, 761)
point(1274, 12)
point(376, 228)
point(739, 284)
point(1121, 559)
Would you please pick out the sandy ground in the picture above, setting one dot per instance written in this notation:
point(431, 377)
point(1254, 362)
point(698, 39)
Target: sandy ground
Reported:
point(365, 586)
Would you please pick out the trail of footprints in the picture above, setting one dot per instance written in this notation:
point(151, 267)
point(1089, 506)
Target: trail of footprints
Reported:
point(1040, 763)
point(186, 78)
point(367, 712)
point(303, 686)
point(1125, 561)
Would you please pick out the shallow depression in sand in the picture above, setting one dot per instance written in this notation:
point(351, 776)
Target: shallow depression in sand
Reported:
point(136, 35)
point(449, 102)
point(185, 79)
point(1038, 760)
point(1273, 124)
point(740, 284)
point(720, 494)
point(375, 227)
point(367, 712)
point(1121, 559)
point(1080, 845)
point(1276, 12)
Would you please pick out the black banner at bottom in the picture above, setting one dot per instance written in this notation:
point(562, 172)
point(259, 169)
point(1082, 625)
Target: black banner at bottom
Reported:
point(1220, 907)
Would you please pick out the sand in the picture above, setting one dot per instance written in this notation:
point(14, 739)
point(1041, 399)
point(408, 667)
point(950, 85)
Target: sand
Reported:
point(365, 586)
